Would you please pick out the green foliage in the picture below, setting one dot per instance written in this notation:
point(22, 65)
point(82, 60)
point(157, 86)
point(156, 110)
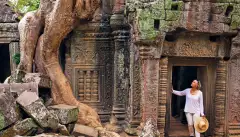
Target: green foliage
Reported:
point(24, 6)
point(16, 58)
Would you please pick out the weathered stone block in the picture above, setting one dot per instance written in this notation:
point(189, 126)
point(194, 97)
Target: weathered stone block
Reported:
point(33, 105)
point(235, 21)
point(159, 5)
point(46, 135)
point(80, 130)
point(219, 8)
point(236, 8)
point(24, 128)
point(66, 114)
point(18, 88)
point(172, 15)
point(220, 18)
point(216, 27)
point(8, 108)
point(42, 80)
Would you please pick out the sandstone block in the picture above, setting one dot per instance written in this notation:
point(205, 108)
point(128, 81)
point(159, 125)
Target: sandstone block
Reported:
point(8, 108)
point(18, 88)
point(24, 128)
point(42, 80)
point(33, 105)
point(46, 135)
point(81, 130)
point(66, 114)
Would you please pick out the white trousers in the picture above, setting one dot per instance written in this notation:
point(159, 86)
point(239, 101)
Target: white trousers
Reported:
point(190, 120)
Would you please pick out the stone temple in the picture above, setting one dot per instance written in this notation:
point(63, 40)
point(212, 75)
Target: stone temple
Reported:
point(125, 61)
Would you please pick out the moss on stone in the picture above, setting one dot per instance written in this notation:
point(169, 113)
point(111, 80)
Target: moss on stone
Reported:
point(159, 5)
point(236, 9)
point(172, 15)
point(235, 22)
point(168, 4)
point(21, 128)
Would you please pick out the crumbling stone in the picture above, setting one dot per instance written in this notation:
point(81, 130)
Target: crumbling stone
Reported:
point(43, 81)
point(149, 130)
point(63, 130)
point(8, 108)
point(80, 130)
point(24, 128)
point(66, 114)
point(47, 135)
point(18, 88)
point(33, 105)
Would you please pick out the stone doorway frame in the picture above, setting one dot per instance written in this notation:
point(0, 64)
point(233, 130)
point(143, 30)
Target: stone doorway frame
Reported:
point(217, 97)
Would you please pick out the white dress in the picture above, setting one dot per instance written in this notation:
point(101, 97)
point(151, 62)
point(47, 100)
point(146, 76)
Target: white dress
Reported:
point(194, 103)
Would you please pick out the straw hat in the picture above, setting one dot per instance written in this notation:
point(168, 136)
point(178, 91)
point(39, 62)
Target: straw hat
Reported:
point(201, 124)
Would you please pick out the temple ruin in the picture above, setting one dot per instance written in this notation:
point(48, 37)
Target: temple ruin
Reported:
point(124, 61)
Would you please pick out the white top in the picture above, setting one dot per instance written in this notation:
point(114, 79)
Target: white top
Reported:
point(194, 103)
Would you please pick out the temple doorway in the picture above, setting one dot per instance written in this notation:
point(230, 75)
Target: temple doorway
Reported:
point(181, 74)
point(5, 70)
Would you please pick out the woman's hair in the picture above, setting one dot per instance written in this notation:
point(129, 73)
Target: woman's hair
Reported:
point(199, 85)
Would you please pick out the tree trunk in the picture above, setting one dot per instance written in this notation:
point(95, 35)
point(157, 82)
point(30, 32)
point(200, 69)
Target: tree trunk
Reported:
point(57, 18)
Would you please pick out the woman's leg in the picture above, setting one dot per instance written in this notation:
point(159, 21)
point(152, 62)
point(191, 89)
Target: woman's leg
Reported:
point(190, 123)
point(197, 134)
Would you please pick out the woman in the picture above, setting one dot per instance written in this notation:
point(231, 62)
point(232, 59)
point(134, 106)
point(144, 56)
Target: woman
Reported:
point(193, 106)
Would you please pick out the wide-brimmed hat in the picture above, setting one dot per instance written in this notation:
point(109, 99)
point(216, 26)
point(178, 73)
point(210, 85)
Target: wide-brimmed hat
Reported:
point(201, 124)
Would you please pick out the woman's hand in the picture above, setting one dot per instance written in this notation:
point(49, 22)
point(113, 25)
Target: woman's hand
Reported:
point(172, 89)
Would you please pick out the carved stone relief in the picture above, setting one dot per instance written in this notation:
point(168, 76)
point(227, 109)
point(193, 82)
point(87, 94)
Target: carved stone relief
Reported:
point(194, 46)
point(162, 95)
point(234, 92)
point(220, 98)
point(89, 67)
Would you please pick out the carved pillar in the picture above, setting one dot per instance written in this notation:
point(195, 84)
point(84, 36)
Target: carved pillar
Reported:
point(162, 95)
point(121, 66)
point(220, 98)
point(14, 48)
point(149, 83)
point(234, 89)
point(134, 112)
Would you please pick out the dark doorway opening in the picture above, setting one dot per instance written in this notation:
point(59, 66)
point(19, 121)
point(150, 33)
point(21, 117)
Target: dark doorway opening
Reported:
point(182, 76)
point(181, 79)
point(5, 70)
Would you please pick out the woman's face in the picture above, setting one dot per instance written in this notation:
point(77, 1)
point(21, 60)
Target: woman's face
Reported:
point(194, 84)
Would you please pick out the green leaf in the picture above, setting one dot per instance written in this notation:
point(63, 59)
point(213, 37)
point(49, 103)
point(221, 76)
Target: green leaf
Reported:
point(16, 58)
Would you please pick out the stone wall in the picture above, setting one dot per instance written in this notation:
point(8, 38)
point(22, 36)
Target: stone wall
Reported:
point(182, 29)
point(154, 16)
point(9, 30)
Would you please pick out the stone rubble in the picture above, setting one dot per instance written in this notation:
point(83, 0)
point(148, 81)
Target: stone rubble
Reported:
point(36, 109)
point(66, 114)
point(24, 113)
point(8, 108)
point(80, 130)
point(25, 127)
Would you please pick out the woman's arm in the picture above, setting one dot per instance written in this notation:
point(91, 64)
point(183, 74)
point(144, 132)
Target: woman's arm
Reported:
point(201, 105)
point(179, 93)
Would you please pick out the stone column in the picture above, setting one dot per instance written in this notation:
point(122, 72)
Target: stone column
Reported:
point(149, 88)
point(234, 88)
point(14, 48)
point(149, 83)
point(220, 98)
point(121, 66)
point(134, 105)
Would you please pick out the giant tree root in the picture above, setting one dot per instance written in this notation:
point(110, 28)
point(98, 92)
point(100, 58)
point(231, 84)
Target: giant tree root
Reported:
point(46, 28)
